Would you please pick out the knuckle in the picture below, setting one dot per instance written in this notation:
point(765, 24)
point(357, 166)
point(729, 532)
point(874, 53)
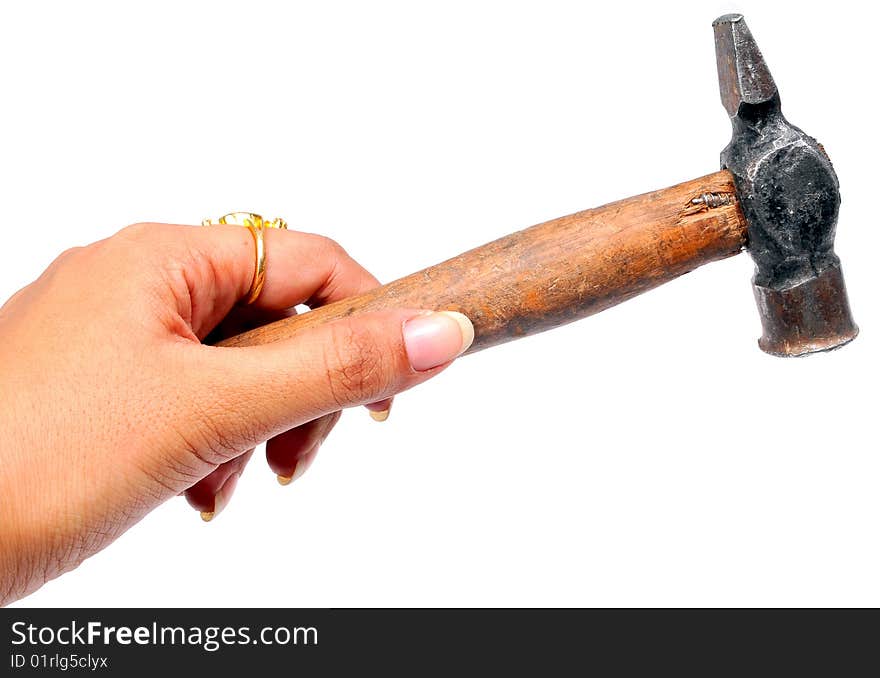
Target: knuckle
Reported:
point(333, 249)
point(136, 231)
point(146, 231)
point(68, 255)
point(356, 366)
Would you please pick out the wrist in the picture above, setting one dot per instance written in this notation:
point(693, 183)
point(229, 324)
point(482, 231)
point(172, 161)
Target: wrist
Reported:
point(22, 538)
point(15, 556)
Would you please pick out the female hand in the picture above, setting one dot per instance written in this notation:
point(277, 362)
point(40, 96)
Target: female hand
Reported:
point(111, 404)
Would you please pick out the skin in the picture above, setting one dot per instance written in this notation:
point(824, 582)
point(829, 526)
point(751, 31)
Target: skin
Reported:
point(112, 404)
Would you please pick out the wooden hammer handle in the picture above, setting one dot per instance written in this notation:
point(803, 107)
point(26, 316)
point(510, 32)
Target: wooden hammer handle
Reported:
point(561, 270)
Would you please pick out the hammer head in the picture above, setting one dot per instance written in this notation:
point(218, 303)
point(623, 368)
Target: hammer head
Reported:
point(790, 197)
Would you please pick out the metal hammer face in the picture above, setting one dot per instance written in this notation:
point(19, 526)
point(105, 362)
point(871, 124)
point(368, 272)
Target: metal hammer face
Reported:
point(789, 194)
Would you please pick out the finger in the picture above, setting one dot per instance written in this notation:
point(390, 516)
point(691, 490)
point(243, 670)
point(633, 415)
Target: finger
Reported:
point(301, 268)
point(254, 393)
point(379, 411)
point(212, 493)
point(290, 453)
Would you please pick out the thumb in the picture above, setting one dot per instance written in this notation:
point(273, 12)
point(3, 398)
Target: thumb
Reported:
point(262, 391)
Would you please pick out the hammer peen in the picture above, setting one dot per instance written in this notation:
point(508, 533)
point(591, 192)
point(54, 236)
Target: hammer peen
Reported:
point(776, 196)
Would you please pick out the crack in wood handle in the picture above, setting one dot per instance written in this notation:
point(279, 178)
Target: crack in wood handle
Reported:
point(559, 271)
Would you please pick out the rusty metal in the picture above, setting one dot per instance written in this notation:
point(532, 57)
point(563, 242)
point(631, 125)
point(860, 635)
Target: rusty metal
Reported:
point(789, 194)
point(713, 200)
point(807, 317)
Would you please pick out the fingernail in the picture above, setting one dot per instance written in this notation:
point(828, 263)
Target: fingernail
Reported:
point(380, 411)
point(434, 339)
point(221, 498)
point(302, 464)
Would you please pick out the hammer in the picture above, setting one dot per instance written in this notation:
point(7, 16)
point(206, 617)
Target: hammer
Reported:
point(776, 195)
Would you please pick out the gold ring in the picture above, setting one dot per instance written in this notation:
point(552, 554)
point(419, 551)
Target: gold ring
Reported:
point(256, 225)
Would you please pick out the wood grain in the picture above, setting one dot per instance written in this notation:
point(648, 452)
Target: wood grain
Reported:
point(561, 270)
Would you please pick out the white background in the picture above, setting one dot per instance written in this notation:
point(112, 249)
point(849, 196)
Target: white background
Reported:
point(650, 455)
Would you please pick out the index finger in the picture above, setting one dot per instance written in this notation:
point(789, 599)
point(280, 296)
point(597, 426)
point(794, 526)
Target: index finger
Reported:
point(300, 268)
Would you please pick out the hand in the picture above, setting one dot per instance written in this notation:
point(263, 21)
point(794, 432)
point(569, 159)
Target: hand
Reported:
point(112, 405)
